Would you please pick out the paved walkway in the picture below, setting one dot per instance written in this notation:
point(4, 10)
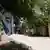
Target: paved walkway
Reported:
point(37, 43)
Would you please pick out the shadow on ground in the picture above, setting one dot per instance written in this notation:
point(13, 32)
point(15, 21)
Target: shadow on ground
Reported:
point(14, 46)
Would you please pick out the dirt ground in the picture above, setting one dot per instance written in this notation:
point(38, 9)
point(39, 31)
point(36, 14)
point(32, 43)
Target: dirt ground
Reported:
point(37, 43)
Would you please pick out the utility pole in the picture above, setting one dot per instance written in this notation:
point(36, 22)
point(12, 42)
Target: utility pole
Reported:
point(12, 24)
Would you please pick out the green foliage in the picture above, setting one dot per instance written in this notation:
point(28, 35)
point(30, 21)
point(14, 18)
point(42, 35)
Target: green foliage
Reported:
point(38, 18)
point(26, 8)
point(1, 26)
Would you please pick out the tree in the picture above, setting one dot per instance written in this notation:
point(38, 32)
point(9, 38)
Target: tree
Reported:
point(33, 10)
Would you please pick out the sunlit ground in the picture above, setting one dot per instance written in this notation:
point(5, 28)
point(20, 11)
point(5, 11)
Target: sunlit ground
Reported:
point(37, 43)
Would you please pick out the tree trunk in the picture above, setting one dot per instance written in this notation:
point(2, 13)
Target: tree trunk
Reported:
point(49, 29)
point(42, 30)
